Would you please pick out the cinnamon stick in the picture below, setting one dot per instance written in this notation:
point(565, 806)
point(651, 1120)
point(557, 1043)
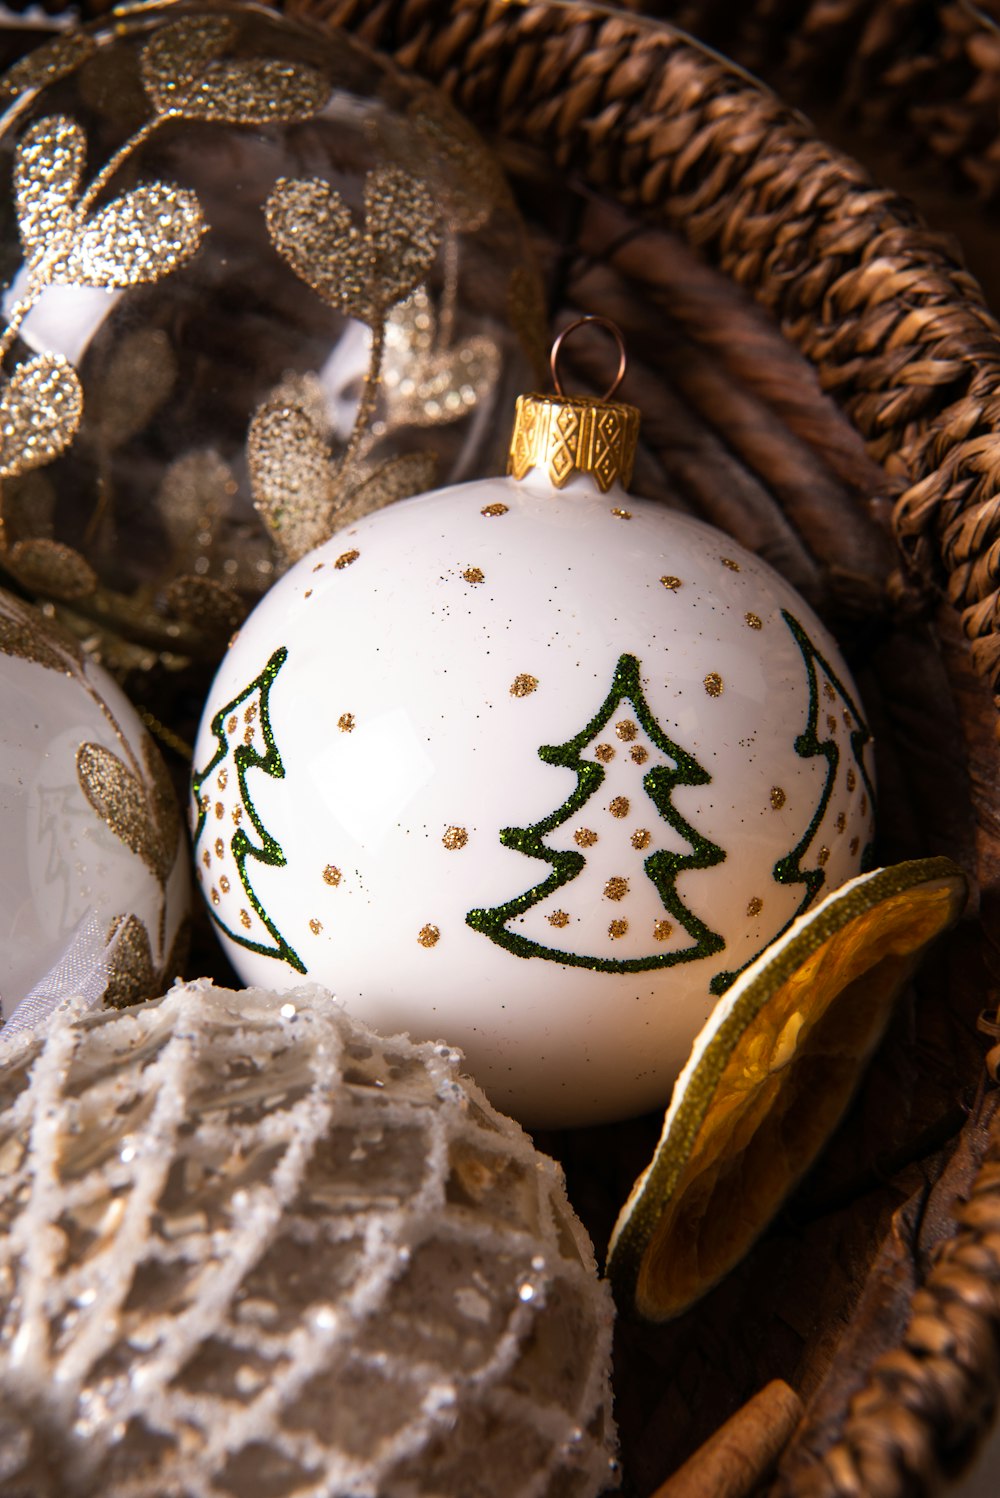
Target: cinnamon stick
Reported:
point(733, 1461)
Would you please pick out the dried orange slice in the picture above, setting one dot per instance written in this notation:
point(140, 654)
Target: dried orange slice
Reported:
point(769, 1077)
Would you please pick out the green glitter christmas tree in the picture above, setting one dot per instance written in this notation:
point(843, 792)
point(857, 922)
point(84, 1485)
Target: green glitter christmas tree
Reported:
point(641, 741)
point(222, 842)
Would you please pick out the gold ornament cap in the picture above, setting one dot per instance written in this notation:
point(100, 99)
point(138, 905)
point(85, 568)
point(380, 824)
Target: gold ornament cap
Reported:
point(569, 435)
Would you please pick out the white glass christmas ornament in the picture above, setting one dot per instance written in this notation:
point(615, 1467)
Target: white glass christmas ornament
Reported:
point(532, 765)
point(251, 1249)
point(253, 278)
point(94, 883)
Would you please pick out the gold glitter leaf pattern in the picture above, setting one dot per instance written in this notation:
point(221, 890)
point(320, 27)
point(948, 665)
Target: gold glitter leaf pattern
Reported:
point(51, 567)
point(23, 636)
point(291, 477)
point(119, 799)
point(40, 410)
point(48, 165)
point(166, 812)
point(131, 974)
point(427, 381)
point(205, 603)
point(360, 272)
point(141, 236)
point(183, 75)
point(396, 478)
point(46, 64)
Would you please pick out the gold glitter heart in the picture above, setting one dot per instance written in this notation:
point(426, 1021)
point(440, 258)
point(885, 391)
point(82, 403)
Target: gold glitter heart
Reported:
point(183, 76)
point(51, 567)
point(47, 64)
point(40, 410)
point(141, 236)
point(291, 477)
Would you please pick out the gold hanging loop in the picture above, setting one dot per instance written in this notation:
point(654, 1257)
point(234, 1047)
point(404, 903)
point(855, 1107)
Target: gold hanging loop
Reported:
point(581, 322)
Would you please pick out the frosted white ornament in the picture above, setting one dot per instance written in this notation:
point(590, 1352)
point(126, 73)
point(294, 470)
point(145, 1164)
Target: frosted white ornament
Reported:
point(94, 884)
point(538, 769)
point(251, 1248)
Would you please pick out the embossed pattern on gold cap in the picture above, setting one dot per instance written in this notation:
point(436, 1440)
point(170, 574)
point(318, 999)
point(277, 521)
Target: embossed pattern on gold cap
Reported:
point(571, 435)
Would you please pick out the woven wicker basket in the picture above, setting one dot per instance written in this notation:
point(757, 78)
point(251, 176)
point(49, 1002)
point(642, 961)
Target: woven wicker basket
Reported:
point(819, 377)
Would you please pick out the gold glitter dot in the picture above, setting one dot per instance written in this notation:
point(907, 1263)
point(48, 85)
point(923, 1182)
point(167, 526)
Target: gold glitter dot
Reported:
point(831, 723)
point(206, 859)
point(474, 575)
point(841, 823)
point(626, 730)
point(251, 713)
point(248, 735)
point(428, 936)
point(219, 809)
point(224, 885)
point(671, 583)
point(855, 844)
point(317, 566)
point(754, 621)
point(237, 814)
point(231, 725)
point(847, 718)
point(822, 855)
point(661, 930)
point(245, 919)
point(345, 559)
point(204, 803)
point(619, 807)
point(713, 684)
point(559, 918)
point(616, 888)
point(756, 906)
point(864, 805)
point(455, 838)
point(622, 514)
point(828, 692)
point(215, 895)
point(605, 753)
point(641, 838)
point(220, 848)
point(308, 593)
point(346, 722)
point(584, 838)
point(223, 779)
point(331, 874)
point(852, 780)
point(496, 509)
point(523, 685)
point(315, 926)
point(617, 928)
point(639, 754)
point(728, 562)
point(777, 797)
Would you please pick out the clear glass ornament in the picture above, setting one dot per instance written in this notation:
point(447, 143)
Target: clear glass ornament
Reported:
point(255, 281)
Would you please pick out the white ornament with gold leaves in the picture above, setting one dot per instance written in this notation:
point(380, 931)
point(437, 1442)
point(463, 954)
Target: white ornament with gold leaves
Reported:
point(94, 885)
point(534, 766)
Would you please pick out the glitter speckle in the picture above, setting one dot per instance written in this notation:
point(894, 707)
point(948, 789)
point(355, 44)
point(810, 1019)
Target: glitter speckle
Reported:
point(474, 575)
point(756, 906)
point(641, 838)
point(220, 848)
point(713, 684)
point(490, 510)
point(622, 514)
point(315, 926)
point(617, 928)
point(346, 722)
point(777, 797)
point(331, 875)
point(626, 730)
point(828, 692)
point(455, 838)
point(854, 845)
point(852, 780)
point(662, 930)
point(605, 753)
point(671, 583)
point(559, 918)
point(754, 621)
point(584, 837)
point(638, 754)
point(841, 823)
point(428, 936)
point(831, 723)
point(345, 559)
point(616, 888)
point(245, 919)
point(823, 855)
point(523, 685)
point(619, 807)
point(728, 562)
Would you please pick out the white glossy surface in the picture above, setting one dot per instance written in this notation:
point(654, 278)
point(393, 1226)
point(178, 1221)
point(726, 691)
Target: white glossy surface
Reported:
point(63, 869)
point(424, 660)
